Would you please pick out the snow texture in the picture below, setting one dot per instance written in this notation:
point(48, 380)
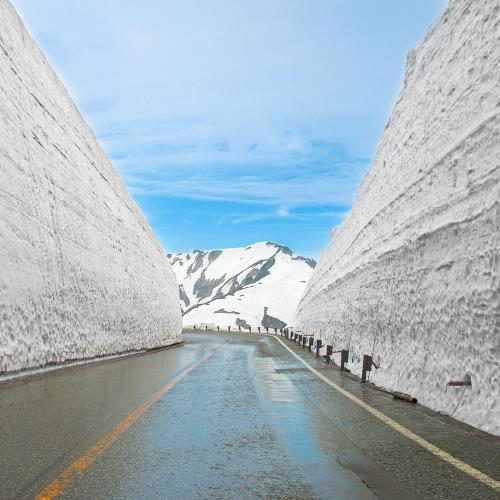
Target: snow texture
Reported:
point(259, 285)
point(82, 274)
point(412, 275)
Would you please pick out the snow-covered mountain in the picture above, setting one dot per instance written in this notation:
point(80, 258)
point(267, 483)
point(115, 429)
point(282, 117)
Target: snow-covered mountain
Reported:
point(259, 285)
point(412, 276)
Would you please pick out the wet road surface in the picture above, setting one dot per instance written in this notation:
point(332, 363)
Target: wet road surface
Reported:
point(227, 416)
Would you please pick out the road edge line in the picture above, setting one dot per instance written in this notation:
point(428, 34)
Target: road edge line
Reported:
point(435, 450)
point(72, 471)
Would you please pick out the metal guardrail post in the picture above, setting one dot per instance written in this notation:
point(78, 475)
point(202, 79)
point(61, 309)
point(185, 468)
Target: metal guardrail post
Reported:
point(344, 358)
point(329, 352)
point(367, 367)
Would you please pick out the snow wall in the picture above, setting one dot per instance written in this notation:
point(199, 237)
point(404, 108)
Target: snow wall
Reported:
point(82, 273)
point(413, 273)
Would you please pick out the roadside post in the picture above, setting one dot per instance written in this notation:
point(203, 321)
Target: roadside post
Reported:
point(318, 347)
point(311, 341)
point(329, 352)
point(367, 367)
point(344, 358)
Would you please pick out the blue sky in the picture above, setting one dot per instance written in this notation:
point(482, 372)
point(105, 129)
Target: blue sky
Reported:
point(234, 121)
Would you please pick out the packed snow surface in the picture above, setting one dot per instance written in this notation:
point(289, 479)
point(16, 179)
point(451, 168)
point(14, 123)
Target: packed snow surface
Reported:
point(82, 274)
point(256, 286)
point(413, 273)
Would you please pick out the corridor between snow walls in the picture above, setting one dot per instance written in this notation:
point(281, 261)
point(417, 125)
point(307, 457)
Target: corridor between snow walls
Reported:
point(82, 273)
point(413, 273)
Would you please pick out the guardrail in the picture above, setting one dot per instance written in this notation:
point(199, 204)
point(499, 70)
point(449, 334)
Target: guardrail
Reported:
point(307, 339)
point(314, 345)
point(229, 329)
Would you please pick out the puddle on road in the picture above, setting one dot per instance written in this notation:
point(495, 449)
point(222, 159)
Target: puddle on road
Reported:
point(331, 461)
point(304, 429)
point(273, 385)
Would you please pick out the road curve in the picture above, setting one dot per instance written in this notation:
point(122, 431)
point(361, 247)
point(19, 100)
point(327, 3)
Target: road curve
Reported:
point(227, 416)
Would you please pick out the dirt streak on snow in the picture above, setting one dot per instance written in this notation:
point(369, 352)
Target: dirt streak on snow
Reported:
point(413, 274)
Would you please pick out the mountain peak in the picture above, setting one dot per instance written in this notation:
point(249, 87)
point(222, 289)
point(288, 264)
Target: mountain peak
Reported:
point(256, 285)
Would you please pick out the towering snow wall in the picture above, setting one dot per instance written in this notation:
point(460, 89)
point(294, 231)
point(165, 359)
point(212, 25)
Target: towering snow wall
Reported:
point(82, 273)
point(413, 273)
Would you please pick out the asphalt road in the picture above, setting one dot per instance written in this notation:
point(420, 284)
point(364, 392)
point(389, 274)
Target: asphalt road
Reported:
point(228, 416)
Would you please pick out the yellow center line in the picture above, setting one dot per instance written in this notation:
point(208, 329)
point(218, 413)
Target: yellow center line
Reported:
point(443, 455)
point(70, 473)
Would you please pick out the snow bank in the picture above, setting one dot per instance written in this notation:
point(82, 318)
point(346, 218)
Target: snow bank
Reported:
point(82, 273)
point(259, 285)
point(413, 273)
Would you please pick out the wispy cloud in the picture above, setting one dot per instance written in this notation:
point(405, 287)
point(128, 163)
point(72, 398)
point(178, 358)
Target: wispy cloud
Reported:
point(287, 169)
point(212, 106)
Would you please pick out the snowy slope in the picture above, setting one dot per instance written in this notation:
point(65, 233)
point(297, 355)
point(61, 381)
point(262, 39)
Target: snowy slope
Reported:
point(413, 274)
point(82, 273)
point(233, 286)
